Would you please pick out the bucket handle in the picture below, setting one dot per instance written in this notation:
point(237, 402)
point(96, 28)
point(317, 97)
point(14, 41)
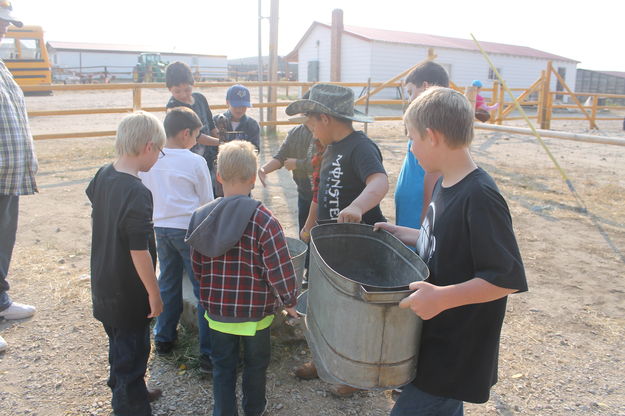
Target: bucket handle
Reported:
point(383, 296)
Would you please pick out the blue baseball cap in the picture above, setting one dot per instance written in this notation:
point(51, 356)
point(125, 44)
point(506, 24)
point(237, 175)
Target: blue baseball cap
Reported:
point(477, 83)
point(238, 96)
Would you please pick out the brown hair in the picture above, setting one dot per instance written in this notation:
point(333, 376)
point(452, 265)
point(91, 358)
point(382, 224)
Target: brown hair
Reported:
point(180, 118)
point(445, 110)
point(178, 73)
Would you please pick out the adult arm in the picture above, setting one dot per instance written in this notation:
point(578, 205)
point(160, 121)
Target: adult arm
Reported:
point(376, 188)
point(142, 261)
point(429, 300)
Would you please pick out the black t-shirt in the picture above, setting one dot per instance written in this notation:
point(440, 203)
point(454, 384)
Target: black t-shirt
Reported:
point(467, 233)
point(345, 167)
point(121, 221)
point(201, 108)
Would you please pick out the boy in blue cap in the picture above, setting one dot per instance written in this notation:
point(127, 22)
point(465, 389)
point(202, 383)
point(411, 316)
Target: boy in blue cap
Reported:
point(234, 124)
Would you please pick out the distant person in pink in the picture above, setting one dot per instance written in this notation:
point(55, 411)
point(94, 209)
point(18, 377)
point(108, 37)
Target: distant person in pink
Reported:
point(482, 110)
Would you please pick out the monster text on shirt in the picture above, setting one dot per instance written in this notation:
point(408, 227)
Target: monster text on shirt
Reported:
point(334, 188)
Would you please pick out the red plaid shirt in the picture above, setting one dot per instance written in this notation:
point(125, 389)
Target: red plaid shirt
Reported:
point(249, 279)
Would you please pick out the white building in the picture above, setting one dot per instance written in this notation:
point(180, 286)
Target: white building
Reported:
point(119, 60)
point(383, 54)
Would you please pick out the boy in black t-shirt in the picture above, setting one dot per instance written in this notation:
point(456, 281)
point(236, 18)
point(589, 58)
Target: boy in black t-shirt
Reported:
point(468, 242)
point(352, 179)
point(124, 289)
point(179, 81)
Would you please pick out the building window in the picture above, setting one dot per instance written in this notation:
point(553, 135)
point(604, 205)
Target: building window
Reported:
point(492, 75)
point(195, 61)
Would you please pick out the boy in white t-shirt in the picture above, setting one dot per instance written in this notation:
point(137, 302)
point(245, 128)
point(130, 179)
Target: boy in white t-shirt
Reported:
point(180, 183)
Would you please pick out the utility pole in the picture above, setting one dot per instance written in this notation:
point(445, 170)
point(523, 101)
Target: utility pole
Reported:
point(260, 62)
point(272, 114)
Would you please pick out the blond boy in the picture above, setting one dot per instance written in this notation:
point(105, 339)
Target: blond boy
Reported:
point(124, 289)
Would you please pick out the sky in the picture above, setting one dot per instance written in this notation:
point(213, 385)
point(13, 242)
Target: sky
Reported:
point(589, 32)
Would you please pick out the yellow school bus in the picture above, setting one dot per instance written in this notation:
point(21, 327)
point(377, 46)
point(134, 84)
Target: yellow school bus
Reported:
point(24, 52)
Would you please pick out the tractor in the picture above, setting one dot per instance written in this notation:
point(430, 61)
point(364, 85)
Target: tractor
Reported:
point(149, 68)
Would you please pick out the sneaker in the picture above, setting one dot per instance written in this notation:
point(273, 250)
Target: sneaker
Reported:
point(342, 390)
point(18, 311)
point(3, 344)
point(206, 364)
point(306, 371)
point(164, 347)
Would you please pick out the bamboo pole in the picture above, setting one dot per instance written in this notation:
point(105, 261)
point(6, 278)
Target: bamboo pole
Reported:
point(581, 107)
point(388, 83)
point(502, 102)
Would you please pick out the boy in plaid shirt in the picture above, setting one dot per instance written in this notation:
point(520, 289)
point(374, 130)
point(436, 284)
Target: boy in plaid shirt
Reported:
point(242, 262)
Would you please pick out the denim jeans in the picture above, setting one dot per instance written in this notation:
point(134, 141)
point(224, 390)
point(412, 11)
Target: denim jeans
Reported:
point(9, 209)
point(414, 402)
point(257, 354)
point(174, 257)
point(129, 350)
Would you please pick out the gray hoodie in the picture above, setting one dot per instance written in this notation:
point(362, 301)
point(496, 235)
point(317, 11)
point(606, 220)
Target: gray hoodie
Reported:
point(218, 226)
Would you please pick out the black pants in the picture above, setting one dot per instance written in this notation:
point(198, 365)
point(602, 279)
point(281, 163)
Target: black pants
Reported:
point(129, 350)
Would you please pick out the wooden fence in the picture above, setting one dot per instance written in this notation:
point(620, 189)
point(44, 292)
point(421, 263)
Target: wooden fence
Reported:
point(538, 95)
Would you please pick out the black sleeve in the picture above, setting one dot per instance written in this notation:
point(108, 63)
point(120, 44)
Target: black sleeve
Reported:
point(210, 123)
point(367, 160)
point(137, 223)
point(494, 249)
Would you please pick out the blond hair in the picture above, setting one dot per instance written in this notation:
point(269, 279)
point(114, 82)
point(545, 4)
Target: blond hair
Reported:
point(237, 161)
point(445, 110)
point(135, 131)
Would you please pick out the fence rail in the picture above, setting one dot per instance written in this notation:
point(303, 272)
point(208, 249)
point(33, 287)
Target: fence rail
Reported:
point(538, 95)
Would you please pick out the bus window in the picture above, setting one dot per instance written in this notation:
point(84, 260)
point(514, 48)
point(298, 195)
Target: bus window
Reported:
point(8, 49)
point(30, 49)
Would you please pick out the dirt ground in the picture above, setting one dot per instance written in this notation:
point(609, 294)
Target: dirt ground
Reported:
point(563, 343)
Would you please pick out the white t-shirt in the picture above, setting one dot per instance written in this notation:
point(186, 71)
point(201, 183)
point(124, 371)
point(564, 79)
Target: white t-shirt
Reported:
point(180, 183)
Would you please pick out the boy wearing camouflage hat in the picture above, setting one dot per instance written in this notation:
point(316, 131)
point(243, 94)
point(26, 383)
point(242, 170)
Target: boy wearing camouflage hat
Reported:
point(352, 178)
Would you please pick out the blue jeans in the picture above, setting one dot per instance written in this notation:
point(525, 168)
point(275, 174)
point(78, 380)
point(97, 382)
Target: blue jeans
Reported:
point(129, 350)
point(174, 257)
point(257, 354)
point(9, 209)
point(414, 402)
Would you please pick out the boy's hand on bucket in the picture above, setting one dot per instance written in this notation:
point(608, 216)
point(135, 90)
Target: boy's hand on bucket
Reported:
point(292, 312)
point(427, 301)
point(351, 213)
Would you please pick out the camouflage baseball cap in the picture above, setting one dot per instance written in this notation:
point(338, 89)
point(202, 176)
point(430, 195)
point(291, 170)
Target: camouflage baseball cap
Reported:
point(329, 99)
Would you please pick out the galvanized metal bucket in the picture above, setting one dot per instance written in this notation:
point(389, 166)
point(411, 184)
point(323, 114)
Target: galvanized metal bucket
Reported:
point(297, 251)
point(355, 329)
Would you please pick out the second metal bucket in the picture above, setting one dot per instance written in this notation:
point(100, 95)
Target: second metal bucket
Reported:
point(356, 331)
point(297, 251)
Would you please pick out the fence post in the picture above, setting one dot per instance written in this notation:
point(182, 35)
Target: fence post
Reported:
point(136, 98)
point(494, 98)
point(544, 115)
point(595, 103)
point(502, 102)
